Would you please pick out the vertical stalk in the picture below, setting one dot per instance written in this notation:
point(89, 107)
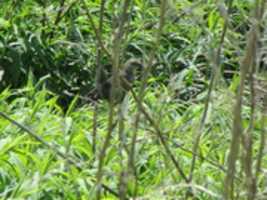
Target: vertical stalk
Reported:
point(237, 130)
point(115, 86)
point(216, 70)
point(146, 72)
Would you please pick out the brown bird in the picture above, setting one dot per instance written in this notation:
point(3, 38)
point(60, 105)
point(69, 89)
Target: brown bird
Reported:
point(127, 76)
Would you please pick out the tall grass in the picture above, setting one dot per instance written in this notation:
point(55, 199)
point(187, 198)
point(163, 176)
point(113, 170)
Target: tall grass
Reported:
point(181, 133)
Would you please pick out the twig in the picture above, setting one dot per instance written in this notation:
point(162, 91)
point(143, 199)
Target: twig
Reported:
point(96, 30)
point(61, 14)
point(216, 70)
point(60, 11)
point(161, 137)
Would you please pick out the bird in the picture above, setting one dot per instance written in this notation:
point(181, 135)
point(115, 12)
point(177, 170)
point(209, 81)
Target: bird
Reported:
point(127, 75)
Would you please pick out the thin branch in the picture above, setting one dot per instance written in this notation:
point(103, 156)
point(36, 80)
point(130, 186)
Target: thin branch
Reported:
point(262, 139)
point(114, 88)
point(99, 69)
point(71, 160)
point(41, 140)
point(216, 70)
point(60, 11)
point(141, 95)
point(237, 131)
point(61, 14)
point(161, 137)
point(96, 30)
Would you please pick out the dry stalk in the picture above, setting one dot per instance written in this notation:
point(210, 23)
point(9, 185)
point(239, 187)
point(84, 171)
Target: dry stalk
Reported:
point(131, 167)
point(251, 178)
point(216, 71)
point(98, 70)
point(237, 132)
point(114, 86)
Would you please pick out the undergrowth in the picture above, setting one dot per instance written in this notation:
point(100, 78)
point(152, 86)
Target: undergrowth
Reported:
point(31, 170)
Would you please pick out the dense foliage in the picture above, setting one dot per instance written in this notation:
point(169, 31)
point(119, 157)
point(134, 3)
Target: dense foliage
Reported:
point(48, 38)
point(48, 63)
